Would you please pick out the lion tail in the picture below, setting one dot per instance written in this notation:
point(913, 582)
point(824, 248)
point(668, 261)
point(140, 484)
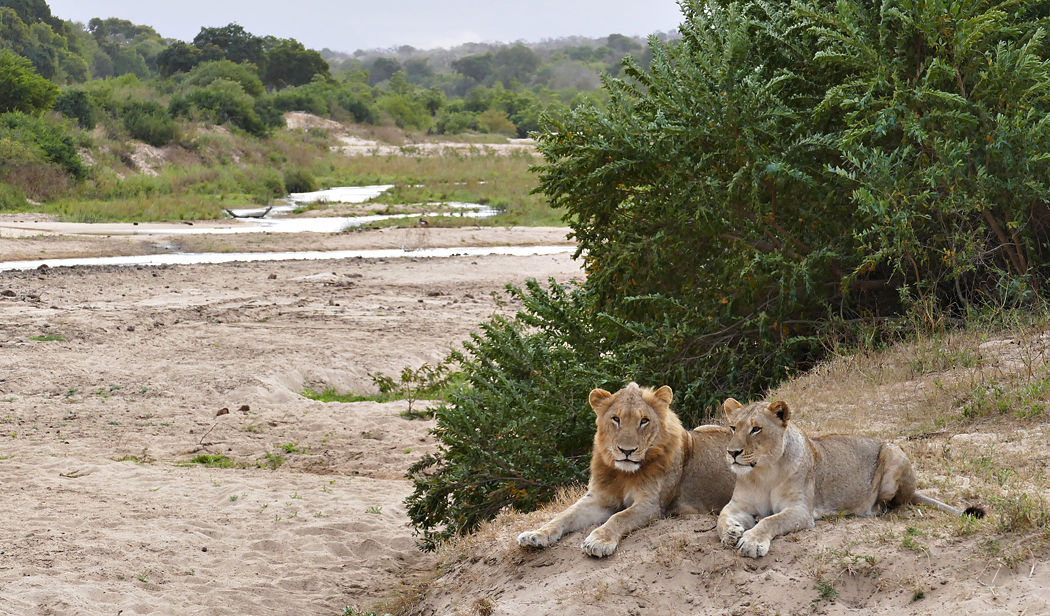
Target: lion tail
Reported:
point(921, 499)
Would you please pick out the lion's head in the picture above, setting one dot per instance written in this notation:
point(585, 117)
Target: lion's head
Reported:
point(634, 426)
point(758, 433)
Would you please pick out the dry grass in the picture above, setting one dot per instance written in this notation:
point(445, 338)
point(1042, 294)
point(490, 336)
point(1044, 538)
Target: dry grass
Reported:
point(968, 407)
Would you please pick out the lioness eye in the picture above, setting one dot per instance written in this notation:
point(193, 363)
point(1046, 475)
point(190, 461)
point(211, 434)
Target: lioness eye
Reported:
point(732, 429)
point(644, 422)
point(616, 420)
point(756, 430)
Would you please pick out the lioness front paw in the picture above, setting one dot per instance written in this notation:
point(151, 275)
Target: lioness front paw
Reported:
point(733, 535)
point(597, 544)
point(535, 539)
point(752, 545)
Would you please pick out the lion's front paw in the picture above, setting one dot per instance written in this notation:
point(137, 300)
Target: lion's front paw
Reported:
point(599, 544)
point(733, 534)
point(535, 539)
point(752, 545)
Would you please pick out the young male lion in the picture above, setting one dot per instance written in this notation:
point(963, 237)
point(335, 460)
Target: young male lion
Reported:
point(644, 463)
point(787, 479)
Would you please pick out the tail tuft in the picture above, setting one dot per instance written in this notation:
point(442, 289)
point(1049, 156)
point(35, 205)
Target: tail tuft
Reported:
point(976, 512)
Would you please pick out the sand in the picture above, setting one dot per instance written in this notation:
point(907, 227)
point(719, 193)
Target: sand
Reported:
point(106, 515)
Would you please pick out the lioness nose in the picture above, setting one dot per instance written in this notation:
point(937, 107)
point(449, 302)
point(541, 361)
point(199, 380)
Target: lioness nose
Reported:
point(733, 453)
point(627, 452)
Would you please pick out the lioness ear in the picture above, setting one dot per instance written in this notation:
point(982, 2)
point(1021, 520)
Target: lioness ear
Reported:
point(781, 410)
point(599, 399)
point(729, 407)
point(664, 394)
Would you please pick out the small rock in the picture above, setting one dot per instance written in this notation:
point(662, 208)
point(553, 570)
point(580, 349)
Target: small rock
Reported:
point(272, 277)
point(7, 293)
point(222, 411)
point(131, 328)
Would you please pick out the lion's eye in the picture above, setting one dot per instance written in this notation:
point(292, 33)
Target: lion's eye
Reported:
point(644, 422)
point(756, 430)
point(616, 420)
point(732, 429)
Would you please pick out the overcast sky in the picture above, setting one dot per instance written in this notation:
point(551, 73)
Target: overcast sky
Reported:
point(367, 24)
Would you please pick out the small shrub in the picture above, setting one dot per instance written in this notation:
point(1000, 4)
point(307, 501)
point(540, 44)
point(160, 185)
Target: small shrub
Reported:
point(298, 180)
point(51, 137)
point(76, 105)
point(206, 73)
point(11, 198)
point(216, 460)
point(149, 121)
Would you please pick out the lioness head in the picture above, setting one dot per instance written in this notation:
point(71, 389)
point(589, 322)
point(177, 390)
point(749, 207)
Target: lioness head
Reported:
point(758, 433)
point(630, 423)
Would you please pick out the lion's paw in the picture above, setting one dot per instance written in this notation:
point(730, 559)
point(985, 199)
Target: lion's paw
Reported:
point(597, 545)
point(535, 539)
point(753, 546)
point(733, 535)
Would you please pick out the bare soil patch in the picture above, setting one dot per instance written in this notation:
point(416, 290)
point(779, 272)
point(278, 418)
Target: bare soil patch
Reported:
point(123, 385)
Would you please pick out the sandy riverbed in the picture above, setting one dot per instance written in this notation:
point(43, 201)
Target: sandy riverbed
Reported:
point(96, 424)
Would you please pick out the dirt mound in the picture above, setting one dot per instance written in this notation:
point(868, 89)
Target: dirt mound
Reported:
point(922, 396)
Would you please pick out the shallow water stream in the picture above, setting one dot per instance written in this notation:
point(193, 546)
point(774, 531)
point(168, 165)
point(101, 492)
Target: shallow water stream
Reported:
point(227, 257)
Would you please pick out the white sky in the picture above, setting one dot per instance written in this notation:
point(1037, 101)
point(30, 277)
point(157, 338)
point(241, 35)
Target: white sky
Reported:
point(348, 25)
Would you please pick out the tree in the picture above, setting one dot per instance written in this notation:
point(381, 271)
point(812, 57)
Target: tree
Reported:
point(515, 63)
point(622, 44)
point(289, 63)
point(475, 67)
point(383, 69)
point(181, 58)
point(418, 69)
point(22, 88)
point(33, 11)
point(237, 44)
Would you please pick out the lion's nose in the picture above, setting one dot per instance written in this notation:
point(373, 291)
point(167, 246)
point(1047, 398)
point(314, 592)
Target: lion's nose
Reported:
point(627, 452)
point(733, 453)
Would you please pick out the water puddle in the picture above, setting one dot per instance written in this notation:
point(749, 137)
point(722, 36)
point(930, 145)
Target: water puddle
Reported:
point(342, 194)
point(215, 257)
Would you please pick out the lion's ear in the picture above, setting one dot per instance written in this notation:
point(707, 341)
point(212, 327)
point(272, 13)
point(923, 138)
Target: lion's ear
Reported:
point(599, 400)
point(729, 407)
point(781, 410)
point(664, 394)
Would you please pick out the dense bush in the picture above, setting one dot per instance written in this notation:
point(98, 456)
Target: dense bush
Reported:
point(520, 425)
point(50, 138)
point(76, 105)
point(205, 74)
point(11, 198)
point(321, 97)
point(782, 171)
point(149, 121)
point(223, 101)
point(297, 180)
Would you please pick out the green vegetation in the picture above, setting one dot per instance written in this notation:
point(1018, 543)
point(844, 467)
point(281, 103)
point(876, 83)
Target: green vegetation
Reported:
point(786, 179)
point(112, 81)
point(48, 338)
point(424, 383)
point(215, 460)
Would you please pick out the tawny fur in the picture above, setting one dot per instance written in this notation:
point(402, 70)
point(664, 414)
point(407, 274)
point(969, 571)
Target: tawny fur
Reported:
point(787, 480)
point(644, 464)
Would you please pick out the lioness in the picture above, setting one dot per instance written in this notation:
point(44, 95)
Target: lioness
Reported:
point(787, 479)
point(644, 463)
